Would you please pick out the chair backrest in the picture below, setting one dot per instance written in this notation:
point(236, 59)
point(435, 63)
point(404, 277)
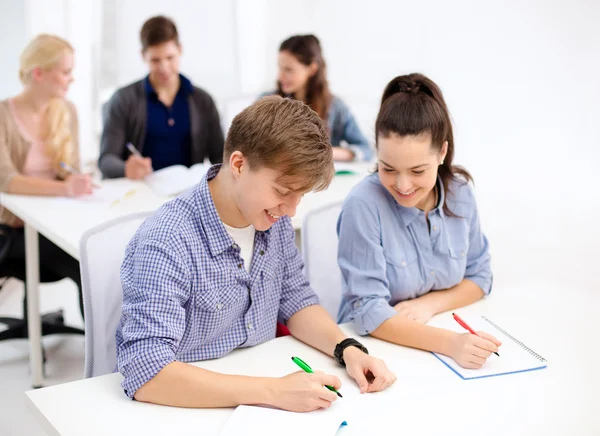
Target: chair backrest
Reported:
point(319, 250)
point(102, 250)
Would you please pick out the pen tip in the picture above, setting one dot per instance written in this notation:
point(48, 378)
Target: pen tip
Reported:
point(339, 395)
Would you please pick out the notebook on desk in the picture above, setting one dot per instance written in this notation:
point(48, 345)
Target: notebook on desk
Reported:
point(275, 422)
point(175, 179)
point(515, 356)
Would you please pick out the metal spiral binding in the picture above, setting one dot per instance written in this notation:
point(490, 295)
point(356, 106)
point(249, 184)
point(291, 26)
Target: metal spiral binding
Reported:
point(516, 341)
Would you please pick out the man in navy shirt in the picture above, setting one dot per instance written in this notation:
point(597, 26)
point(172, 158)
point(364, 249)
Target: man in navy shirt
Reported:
point(161, 120)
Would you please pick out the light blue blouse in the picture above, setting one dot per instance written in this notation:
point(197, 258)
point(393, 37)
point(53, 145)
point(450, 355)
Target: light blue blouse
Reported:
point(387, 254)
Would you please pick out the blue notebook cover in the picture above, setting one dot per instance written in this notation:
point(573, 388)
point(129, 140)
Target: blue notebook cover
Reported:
point(515, 356)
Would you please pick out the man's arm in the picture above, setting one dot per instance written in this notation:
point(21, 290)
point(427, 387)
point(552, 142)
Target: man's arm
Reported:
point(311, 324)
point(156, 283)
point(114, 138)
point(182, 385)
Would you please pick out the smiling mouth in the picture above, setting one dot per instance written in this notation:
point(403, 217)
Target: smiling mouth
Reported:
point(407, 193)
point(273, 217)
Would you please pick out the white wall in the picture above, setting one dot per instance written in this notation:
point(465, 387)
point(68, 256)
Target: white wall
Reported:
point(522, 83)
point(207, 33)
point(12, 23)
point(73, 21)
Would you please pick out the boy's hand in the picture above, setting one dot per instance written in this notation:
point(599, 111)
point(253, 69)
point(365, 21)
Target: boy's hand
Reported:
point(370, 373)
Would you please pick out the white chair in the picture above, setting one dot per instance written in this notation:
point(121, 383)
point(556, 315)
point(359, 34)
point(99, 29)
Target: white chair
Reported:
point(319, 250)
point(102, 251)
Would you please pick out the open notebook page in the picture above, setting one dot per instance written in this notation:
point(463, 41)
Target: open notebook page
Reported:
point(275, 422)
point(175, 179)
point(514, 356)
point(104, 196)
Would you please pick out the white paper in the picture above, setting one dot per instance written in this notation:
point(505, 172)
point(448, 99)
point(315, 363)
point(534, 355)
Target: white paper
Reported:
point(104, 196)
point(265, 421)
point(175, 179)
point(513, 357)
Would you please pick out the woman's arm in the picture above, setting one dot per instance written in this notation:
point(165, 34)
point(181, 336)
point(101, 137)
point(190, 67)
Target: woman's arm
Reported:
point(421, 309)
point(359, 146)
point(25, 185)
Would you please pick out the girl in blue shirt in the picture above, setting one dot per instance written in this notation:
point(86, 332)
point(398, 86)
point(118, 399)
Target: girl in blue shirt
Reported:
point(303, 76)
point(410, 241)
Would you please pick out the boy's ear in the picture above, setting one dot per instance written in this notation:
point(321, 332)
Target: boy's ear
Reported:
point(237, 163)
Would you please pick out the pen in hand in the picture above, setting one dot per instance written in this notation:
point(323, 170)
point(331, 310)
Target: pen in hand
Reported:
point(68, 168)
point(133, 150)
point(464, 325)
point(304, 366)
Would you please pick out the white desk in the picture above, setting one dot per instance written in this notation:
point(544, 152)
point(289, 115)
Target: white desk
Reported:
point(427, 399)
point(64, 221)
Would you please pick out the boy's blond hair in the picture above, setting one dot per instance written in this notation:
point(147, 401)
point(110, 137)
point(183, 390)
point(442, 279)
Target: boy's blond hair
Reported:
point(285, 135)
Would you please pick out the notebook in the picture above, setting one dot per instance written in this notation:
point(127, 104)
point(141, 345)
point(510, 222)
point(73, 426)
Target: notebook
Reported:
point(105, 195)
point(275, 422)
point(175, 179)
point(515, 356)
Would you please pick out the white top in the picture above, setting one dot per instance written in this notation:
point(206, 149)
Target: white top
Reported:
point(243, 237)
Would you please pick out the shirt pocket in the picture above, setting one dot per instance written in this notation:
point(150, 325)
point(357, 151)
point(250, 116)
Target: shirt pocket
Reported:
point(218, 309)
point(457, 264)
point(403, 273)
point(266, 298)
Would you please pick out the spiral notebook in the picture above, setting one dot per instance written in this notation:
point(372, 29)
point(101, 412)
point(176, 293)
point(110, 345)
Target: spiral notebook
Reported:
point(515, 356)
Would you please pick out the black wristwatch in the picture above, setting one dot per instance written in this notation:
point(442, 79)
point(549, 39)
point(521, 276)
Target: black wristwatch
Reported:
point(338, 354)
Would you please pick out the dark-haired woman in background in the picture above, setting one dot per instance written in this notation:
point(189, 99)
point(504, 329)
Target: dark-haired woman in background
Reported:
point(303, 76)
point(410, 241)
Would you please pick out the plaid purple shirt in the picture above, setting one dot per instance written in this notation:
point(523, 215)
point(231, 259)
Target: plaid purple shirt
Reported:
point(187, 295)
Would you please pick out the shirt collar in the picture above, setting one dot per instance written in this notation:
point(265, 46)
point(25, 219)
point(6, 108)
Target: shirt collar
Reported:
point(408, 214)
point(218, 240)
point(185, 86)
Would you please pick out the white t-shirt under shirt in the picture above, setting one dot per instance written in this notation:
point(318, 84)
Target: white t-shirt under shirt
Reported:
point(245, 239)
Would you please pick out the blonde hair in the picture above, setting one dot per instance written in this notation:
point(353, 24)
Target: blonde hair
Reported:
point(45, 51)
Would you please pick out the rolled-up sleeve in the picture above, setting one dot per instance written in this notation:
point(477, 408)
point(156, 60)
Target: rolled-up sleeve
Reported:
point(156, 285)
point(365, 288)
point(296, 293)
point(478, 257)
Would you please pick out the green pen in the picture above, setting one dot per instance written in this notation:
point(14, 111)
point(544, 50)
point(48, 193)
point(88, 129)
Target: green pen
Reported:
point(305, 367)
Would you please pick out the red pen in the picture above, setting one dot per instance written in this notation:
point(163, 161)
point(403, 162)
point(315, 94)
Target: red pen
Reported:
point(464, 325)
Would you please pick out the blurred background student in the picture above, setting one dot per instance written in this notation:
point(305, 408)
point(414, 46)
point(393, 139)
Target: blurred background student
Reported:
point(39, 133)
point(164, 117)
point(303, 76)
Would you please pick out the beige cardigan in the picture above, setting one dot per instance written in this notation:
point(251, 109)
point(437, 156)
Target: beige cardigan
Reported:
point(14, 149)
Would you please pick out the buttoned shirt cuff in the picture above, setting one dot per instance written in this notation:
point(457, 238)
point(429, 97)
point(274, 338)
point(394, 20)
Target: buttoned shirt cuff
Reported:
point(484, 283)
point(145, 365)
point(287, 310)
point(370, 314)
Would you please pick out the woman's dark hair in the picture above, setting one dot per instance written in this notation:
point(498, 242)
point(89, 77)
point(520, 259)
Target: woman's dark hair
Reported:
point(411, 105)
point(307, 49)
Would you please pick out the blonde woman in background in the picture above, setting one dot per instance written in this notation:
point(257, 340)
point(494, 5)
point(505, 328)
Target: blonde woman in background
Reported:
point(38, 132)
